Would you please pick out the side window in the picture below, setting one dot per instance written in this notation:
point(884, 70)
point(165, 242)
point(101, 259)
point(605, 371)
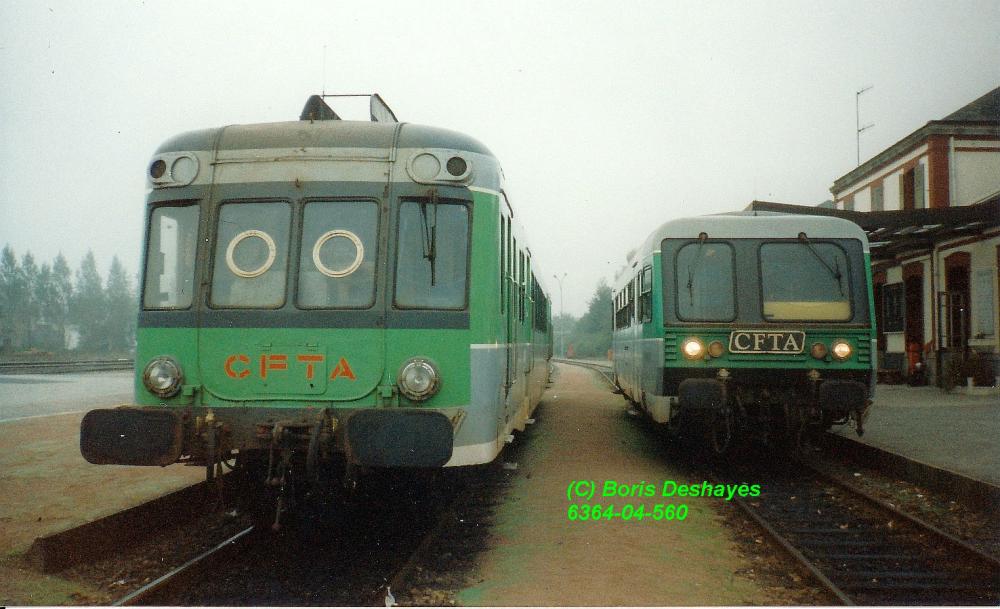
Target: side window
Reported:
point(646, 295)
point(529, 281)
point(251, 255)
point(503, 261)
point(893, 307)
point(337, 260)
point(520, 285)
point(541, 307)
point(170, 257)
point(432, 255)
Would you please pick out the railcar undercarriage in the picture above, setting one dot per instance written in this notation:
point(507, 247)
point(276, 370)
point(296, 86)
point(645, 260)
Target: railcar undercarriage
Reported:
point(733, 414)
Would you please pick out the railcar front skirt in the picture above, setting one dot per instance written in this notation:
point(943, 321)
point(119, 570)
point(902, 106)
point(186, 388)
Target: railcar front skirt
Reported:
point(834, 398)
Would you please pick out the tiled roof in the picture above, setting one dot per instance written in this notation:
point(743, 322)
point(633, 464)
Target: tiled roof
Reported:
point(986, 108)
point(979, 118)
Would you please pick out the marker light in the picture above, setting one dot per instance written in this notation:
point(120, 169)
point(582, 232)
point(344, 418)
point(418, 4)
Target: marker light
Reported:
point(157, 169)
point(841, 350)
point(716, 348)
point(818, 350)
point(418, 379)
point(163, 377)
point(457, 166)
point(693, 348)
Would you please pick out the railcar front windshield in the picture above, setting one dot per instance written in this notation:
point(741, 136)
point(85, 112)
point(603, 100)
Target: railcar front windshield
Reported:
point(705, 282)
point(251, 255)
point(337, 259)
point(805, 281)
point(432, 255)
point(170, 257)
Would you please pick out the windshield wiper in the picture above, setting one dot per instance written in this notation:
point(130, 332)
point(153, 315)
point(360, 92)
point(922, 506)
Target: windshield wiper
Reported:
point(702, 237)
point(429, 231)
point(834, 270)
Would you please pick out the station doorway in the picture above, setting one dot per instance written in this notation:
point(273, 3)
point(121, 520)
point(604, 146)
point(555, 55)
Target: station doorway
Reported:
point(913, 331)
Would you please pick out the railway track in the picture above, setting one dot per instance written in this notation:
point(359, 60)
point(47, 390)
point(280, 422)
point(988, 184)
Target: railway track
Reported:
point(168, 585)
point(65, 366)
point(866, 552)
point(330, 552)
point(603, 369)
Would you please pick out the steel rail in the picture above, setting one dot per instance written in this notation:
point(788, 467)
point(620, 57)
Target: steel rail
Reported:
point(405, 571)
point(62, 367)
point(157, 585)
point(936, 535)
point(944, 536)
point(792, 551)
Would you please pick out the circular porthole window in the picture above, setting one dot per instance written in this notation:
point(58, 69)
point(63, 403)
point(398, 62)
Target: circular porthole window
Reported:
point(339, 254)
point(259, 253)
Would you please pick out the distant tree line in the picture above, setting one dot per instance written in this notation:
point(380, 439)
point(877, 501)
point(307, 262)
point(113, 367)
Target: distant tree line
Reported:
point(42, 308)
point(590, 335)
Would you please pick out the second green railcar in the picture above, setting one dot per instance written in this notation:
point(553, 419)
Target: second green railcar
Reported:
point(748, 325)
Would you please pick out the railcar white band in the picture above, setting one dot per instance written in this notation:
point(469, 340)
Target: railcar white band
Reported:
point(359, 255)
point(271, 252)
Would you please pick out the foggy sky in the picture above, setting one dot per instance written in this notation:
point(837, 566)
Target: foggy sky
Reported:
point(608, 118)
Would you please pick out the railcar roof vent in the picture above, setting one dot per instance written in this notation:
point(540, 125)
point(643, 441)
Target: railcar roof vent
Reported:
point(316, 108)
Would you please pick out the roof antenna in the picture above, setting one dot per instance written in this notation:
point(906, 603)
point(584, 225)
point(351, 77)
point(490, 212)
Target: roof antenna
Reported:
point(857, 116)
point(324, 70)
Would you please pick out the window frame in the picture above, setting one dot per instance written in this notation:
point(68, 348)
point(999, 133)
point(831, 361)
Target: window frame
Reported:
point(215, 245)
point(468, 251)
point(196, 203)
point(893, 296)
point(299, 236)
point(646, 294)
point(847, 272)
point(677, 291)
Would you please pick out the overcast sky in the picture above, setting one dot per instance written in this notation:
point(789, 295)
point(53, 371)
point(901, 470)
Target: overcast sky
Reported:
point(609, 118)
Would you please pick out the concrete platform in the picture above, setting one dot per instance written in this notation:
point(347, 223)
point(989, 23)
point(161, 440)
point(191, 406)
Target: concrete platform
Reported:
point(953, 431)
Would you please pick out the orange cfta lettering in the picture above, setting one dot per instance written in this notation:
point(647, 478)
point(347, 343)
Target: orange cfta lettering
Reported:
point(272, 362)
point(310, 364)
point(343, 369)
point(233, 373)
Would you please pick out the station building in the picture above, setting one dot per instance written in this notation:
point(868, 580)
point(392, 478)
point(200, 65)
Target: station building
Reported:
point(930, 204)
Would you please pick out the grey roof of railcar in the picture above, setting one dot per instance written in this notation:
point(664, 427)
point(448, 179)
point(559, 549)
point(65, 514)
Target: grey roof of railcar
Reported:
point(753, 225)
point(322, 134)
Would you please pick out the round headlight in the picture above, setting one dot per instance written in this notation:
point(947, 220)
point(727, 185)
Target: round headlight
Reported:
point(841, 350)
point(163, 377)
point(418, 379)
point(716, 348)
point(818, 350)
point(693, 348)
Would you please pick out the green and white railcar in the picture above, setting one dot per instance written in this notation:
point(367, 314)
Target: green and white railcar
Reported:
point(748, 325)
point(326, 289)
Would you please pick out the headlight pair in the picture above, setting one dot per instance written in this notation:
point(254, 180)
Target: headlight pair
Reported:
point(841, 350)
point(693, 348)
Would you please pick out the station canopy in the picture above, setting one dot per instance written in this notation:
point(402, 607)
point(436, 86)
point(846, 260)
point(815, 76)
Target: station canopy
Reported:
point(892, 234)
